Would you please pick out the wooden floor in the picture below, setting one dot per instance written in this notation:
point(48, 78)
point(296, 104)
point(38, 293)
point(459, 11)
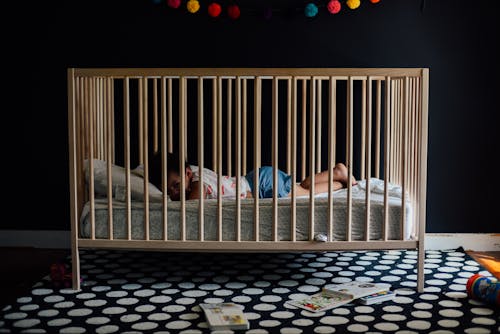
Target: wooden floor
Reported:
point(23, 267)
point(489, 260)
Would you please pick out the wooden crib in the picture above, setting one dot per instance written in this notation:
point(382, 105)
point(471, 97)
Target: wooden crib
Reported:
point(307, 119)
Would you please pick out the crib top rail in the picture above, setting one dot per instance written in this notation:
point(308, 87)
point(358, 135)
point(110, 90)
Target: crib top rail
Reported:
point(246, 72)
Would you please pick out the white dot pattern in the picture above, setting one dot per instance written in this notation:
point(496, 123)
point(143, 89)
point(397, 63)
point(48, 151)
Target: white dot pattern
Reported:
point(138, 292)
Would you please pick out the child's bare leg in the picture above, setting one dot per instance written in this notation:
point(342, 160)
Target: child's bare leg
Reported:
point(339, 175)
point(319, 188)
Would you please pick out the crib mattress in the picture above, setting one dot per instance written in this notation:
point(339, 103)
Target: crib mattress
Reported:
point(156, 224)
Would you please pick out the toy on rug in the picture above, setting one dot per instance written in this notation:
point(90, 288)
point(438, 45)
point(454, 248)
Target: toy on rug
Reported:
point(59, 275)
point(484, 288)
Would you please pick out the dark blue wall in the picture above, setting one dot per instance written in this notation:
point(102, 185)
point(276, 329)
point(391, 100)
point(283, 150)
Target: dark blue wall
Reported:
point(455, 39)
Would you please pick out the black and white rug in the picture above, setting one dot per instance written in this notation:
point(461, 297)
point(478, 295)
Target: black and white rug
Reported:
point(158, 292)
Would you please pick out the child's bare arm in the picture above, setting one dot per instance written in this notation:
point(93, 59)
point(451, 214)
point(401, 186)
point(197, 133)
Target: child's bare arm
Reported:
point(195, 191)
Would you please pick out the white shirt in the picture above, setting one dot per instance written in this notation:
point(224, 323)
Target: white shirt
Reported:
point(228, 184)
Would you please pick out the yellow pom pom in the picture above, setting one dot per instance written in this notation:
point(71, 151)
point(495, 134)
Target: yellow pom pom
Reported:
point(353, 4)
point(193, 6)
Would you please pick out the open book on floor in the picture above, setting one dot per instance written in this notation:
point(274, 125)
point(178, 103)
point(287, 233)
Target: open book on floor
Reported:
point(223, 316)
point(339, 295)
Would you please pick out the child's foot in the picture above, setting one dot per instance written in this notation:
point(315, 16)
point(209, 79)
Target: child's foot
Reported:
point(341, 175)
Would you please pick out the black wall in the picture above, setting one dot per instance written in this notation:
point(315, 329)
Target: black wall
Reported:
point(455, 39)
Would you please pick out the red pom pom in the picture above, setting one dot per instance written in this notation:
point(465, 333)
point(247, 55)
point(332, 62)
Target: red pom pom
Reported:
point(214, 9)
point(233, 11)
point(334, 6)
point(174, 3)
point(374, 1)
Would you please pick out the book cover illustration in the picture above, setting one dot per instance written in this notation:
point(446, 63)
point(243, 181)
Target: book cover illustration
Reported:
point(336, 296)
point(224, 316)
point(321, 301)
point(359, 289)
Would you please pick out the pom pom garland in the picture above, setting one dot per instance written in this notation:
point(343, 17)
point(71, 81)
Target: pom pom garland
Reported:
point(311, 10)
point(174, 3)
point(193, 6)
point(268, 13)
point(214, 9)
point(233, 11)
point(334, 6)
point(353, 4)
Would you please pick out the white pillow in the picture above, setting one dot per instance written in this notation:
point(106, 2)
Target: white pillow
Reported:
point(118, 174)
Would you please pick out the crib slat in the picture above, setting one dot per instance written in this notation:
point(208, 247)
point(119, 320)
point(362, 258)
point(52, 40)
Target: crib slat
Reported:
point(90, 112)
point(109, 152)
point(377, 128)
point(97, 118)
point(368, 158)
point(275, 158)
point(257, 111)
point(312, 151)
point(244, 128)
point(363, 129)
point(126, 120)
point(155, 115)
point(331, 151)
point(304, 129)
point(229, 124)
point(219, 160)
point(404, 155)
point(349, 151)
point(201, 202)
point(164, 162)
point(318, 125)
point(293, 152)
point(145, 157)
point(113, 153)
point(141, 121)
point(170, 121)
point(215, 120)
point(237, 149)
point(182, 147)
point(288, 127)
point(387, 147)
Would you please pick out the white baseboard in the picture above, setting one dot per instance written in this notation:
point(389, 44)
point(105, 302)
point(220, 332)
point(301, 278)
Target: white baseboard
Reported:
point(479, 242)
point(433, 241)
point(37, 239)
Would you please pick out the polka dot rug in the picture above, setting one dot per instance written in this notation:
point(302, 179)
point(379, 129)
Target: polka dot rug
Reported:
point(159, 292)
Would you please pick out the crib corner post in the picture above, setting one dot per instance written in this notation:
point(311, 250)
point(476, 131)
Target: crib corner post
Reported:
point(75, 269)
point(420, 267)
point(73, 174)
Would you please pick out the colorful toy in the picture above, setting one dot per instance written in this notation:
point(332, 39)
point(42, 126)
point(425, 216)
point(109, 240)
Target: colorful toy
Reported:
point(59, 275)
point(484, 288)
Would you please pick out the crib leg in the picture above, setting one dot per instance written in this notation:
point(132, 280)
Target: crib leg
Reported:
point(420, 268)
point(75, 268)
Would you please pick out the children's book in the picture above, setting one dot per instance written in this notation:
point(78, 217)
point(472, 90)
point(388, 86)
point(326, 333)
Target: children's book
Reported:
point(222, 316)
point(336, 296)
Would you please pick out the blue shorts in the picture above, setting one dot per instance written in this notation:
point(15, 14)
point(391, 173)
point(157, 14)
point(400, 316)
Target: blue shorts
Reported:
point(266, 182)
